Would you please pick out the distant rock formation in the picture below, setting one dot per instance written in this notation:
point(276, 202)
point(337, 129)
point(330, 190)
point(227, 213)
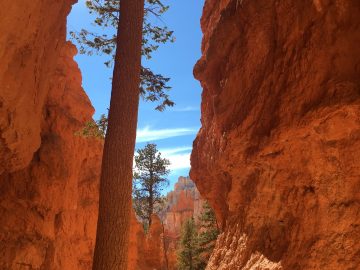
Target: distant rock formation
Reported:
point(183, 202)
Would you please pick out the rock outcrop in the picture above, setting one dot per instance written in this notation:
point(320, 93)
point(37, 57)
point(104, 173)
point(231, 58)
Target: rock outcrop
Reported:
point(49, 176)
point(32, 39)
point(278, 152)
point(146, 251)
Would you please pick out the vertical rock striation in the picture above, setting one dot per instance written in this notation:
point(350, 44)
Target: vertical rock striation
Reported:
point(32, 37)
point(278, 152)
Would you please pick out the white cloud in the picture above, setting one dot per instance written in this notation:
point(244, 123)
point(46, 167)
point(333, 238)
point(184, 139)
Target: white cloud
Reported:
point(179, 161)
point(186, 109)
point(179, 157)
point(146, 134)
point(172, 151)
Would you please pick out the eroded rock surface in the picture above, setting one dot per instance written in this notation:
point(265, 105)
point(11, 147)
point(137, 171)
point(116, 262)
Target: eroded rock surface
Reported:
point(49, 175)
point(278, 152)
point(32, 38)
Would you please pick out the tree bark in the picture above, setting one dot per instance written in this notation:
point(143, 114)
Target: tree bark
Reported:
point(112, 238)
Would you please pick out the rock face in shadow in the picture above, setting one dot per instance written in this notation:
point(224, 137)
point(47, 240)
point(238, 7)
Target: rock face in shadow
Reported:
point(278, 152)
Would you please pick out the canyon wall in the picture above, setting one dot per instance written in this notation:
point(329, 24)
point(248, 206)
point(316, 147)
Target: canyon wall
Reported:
point(49, 176)
point(278, 154)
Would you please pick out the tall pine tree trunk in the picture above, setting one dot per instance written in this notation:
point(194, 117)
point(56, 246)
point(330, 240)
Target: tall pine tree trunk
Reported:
point(111, 249)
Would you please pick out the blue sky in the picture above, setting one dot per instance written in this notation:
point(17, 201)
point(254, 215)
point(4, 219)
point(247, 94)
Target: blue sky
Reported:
point(175, 129)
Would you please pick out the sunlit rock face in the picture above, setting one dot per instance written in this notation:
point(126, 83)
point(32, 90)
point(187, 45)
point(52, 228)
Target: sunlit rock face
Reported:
point(278, 151)
point(183, 203)
point(146, 250)
point(32, 39)
point(49, 176)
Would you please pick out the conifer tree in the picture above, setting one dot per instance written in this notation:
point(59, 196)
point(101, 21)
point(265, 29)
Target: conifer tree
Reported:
point(189, 252)
point(149, 179)
point(113, 227)
point(209, 232)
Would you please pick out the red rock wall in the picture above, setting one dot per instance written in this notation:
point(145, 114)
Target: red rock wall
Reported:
point(49, 176)
point(278, 151)
point(145, 251)
point(32, 38)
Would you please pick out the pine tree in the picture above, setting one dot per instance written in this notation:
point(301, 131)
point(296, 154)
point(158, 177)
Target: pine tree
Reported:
point(153, 87)
point(95, 129)
point(189, 252)
point(149, 179)
point(209, 232)
point(113, 227)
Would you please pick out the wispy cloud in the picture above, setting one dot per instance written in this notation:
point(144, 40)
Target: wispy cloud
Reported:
point(179, 157)
point(186, 109)
point(147, 134)
point(175, 150)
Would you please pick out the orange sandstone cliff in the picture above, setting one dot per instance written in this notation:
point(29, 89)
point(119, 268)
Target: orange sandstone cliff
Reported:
point(278, 154)
point(49, 176)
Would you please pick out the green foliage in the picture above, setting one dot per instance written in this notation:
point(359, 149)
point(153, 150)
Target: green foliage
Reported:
point(208, 231)
point(197, 242)
point(95, 129)
point(149, 180)
point(153, 86)
point(189, 254)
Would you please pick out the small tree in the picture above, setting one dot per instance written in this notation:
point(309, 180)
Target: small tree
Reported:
point(189, 252)
point(95, 129)
point(209, 232)
point(149, 180)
